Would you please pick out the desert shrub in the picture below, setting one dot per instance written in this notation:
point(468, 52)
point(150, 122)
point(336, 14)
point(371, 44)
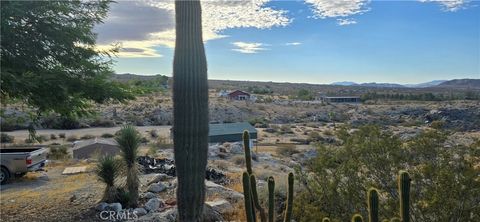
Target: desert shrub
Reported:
point(102, 123)
point(72, 138)
point(239, 160)
point(107, 135)
point(29, 140)
point(58, 152)
point(334, 183)
point(437, 124)
point(144, 140)
point(57, 122)
point(42, 138)
point(314, 137)
point(61, 135)
point(53, 136)
point(286, 149)
point(87, 136)
point(328, 132)
point(5, 138)
point(153, 133)
point(163, 143)
point(286, 128)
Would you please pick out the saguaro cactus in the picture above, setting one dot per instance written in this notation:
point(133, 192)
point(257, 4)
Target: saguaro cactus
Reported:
point(271, 199)
point(404, 191)
point(190, 110)
point(288, 212)
point(357, 218)
point(326, 219)
point(246, 149)
point(372, 205)
point(395, 219)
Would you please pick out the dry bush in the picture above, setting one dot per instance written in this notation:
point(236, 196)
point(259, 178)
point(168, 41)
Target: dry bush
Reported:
point(71, 138)
point(87, 136)
point(286, 149)
point(328, 132)
point(239, 160)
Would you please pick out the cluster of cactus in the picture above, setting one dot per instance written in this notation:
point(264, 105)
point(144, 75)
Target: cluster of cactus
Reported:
point(252, 204)
point(372, 202)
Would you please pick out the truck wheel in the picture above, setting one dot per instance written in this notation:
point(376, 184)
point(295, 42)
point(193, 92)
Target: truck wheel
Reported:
point(4, 175)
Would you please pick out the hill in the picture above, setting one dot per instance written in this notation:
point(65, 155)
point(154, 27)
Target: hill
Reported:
point(461, 83)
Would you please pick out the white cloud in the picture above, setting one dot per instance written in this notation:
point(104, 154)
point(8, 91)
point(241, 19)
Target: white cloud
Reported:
point(346, 21)
point(450, 5)
point(248, 47)
point(337, 8)
point(141, 26)
point(293, 43)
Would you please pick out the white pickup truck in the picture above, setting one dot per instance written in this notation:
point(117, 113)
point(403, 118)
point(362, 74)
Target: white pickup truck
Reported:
point(17, 161)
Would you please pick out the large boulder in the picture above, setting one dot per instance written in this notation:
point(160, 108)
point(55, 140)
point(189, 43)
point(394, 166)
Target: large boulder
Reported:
point(214, 189)
point(140, 211)
point(157, 187)
point(158, 177)
point(148, 195)
point(169, 215)
point(153, 204)
point(236, 148)
point(221, 205)
point(101, 206)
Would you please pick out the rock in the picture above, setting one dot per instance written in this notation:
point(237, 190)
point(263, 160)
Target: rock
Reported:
point(153, 204)
point(158, 177)
point(157, 187)
point(221, 205)
point(117, 207)
point(209, 214)
point(169, 215)
point(101, 206)
point(140, 211)
point(149, 195)
point(214, 189)
point(236, 148)
point(73, 198)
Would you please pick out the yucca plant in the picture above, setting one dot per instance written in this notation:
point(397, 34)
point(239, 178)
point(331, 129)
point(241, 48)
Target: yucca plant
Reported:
point(107, 170)
point(129, 140)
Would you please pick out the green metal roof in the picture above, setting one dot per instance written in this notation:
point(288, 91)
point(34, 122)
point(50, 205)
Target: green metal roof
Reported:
point(230, 132)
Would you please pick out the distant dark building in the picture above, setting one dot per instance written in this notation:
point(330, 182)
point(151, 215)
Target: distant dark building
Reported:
point(230, 132)
point(239, 95)
point(340, 99)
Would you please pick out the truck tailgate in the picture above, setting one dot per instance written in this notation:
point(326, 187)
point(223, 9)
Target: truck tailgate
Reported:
point(37, 156)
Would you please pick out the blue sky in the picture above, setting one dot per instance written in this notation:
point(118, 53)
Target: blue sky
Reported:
point(387, 41)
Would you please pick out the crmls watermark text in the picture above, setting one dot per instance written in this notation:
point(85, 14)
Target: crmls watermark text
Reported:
point(118, 216)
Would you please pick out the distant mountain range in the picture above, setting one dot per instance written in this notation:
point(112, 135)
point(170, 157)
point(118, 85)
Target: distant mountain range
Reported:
point(464, 83)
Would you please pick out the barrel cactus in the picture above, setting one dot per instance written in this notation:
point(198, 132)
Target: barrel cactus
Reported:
point(190, 110)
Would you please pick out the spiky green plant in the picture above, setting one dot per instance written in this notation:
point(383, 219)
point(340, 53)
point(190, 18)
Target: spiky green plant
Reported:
point(404, 193)
point(288, 211)
point(247, 196)
point(129, 140)
point(357, 218)
point(190, 110)
point(107, 170)
point(372, 203)
point(256, 203)
point(271, 199)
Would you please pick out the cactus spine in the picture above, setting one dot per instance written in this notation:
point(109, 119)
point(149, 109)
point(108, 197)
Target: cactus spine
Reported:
point(404, 192)
point(253, 188)
point(288, 213)
point(372, 205)
point(357, 218)
point(190, 110)
point(271, 199)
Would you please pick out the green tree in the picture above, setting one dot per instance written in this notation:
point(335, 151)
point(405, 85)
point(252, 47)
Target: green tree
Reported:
point(48, 56)
point(445, 185)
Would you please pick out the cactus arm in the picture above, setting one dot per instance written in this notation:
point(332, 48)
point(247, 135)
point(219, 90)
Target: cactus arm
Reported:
point(247, 197)
point(246, 149)
point(288, 212)
point(404, 189)
point(372, 205)
point(253, 188)
point(190, 110)
point(357, 218)
point(271, 199)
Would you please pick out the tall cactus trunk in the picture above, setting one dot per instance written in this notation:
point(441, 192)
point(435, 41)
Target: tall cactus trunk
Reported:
point(190, 110)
